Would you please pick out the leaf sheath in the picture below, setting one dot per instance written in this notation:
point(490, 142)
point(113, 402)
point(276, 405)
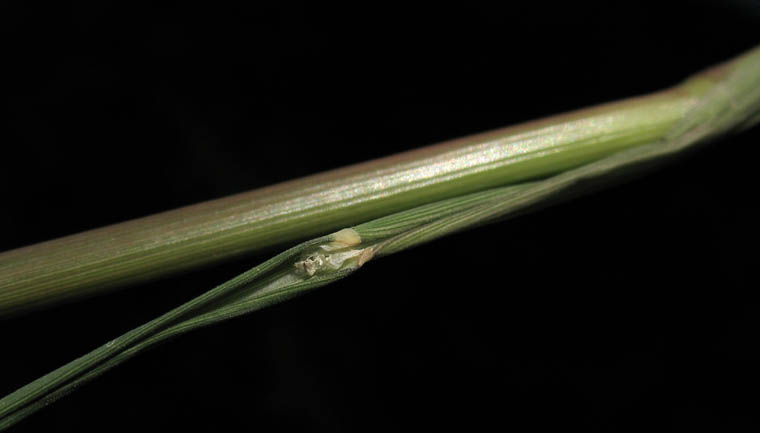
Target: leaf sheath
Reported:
point(135, 251)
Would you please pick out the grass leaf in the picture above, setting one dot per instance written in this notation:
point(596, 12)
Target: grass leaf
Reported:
point(733, 103)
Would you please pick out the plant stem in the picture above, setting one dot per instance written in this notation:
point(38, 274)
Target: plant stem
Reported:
point(103, 259)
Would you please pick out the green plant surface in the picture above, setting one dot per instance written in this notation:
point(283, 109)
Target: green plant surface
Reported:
point(124, 254)
point(731, 105)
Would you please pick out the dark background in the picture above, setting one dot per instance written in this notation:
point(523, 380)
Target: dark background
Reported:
point(629, 309)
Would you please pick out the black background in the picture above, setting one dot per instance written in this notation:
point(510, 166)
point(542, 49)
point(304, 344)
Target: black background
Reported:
point(632, 308)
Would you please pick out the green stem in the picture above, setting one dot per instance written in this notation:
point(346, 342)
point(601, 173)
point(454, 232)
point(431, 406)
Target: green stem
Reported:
point(143, 249)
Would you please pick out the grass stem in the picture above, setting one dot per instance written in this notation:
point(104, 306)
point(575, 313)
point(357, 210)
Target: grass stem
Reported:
point(136, 251)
